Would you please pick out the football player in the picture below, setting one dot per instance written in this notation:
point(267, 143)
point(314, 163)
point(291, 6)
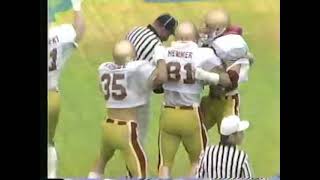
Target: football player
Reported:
point(62, 40)
point(231, 48)
point(126, 85)
point(180, 118)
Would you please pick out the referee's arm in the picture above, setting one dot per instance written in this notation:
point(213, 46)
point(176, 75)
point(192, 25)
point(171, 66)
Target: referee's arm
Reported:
point(246, 172)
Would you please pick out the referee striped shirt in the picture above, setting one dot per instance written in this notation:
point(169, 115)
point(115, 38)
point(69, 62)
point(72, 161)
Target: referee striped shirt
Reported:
point(144, 40)
point(223, 161)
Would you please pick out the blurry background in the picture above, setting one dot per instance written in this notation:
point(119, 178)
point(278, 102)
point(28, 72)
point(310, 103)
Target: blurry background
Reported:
point(78, 132)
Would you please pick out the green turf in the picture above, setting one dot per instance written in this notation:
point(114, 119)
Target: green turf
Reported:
point(78, 133)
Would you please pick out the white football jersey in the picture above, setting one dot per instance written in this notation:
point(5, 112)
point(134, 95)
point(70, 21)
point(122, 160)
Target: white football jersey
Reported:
point(61, 43)
point(181, 59)
point(126, 86)
point(233, 47)
point(230, 47)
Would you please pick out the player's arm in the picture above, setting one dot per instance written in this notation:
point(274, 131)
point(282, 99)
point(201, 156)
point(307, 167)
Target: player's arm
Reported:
point(158, 60)
point(233, 73)
point(237, 71)
point(251, 58)
point(217, 73)
point(79, 21)
point(213, 78)
point(100, 72)
point(160, 74)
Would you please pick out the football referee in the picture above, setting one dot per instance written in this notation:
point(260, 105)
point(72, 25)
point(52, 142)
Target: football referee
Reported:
point(225, 160)
point(144, 40)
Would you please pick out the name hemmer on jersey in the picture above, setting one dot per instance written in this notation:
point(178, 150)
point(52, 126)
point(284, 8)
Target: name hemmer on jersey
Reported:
point(179, 54)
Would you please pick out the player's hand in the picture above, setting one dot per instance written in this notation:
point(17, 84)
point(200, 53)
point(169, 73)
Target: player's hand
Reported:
point(251, 58)
point(158, 90)
point(224, 80)
point(217, 91)
point(76, 4)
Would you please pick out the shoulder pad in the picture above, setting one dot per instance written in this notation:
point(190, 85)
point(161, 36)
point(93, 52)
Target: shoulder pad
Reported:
point(230, 47)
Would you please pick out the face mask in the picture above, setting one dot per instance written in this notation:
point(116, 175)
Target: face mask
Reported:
point(207, 39)
point(216, 33)
point(203, 39)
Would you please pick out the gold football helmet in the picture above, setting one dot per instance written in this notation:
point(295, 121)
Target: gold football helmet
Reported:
point(216, 21)
point(123, 52)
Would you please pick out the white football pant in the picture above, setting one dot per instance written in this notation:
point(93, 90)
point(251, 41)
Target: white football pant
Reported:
point(52, 162)
point(143, 122)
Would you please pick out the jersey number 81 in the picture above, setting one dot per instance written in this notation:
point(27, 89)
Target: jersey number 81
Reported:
point(118, 91)
point(174, 68)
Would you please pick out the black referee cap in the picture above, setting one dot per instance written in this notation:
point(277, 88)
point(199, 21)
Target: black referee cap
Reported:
point(168, 21)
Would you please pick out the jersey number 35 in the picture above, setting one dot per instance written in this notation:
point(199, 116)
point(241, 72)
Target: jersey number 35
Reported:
point(117, 91)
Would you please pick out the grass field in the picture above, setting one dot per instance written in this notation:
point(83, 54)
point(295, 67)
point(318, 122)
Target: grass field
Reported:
point(78, 133)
